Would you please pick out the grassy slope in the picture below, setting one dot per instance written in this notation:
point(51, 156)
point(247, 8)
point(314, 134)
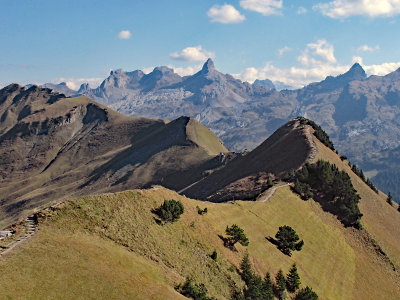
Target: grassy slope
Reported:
point(380, 219)
point(76, 244)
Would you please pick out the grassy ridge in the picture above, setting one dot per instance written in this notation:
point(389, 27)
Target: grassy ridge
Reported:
point(113, 241)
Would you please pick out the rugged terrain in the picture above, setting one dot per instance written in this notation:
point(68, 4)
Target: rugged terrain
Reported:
point(110, 245)
point(360, 113)
point(70, 164)
point(53, 148)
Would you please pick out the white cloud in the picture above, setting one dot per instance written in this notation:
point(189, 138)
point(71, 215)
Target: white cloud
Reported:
point(317, 53)
point(357, 59)
point(75, 83)
point(366, 48)
point(264, 7)
point(316, 62)
point(182, 71)
point(225, 14)
point(124, 35)
point(301, 10)
point(196, 53)
point(382, 69)
point(371, 8)
point(190, 70)
point(293, 76)
point(283, 50)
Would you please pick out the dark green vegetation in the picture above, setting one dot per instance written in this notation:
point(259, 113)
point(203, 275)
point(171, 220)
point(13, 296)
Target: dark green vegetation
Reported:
point(389, 199)
point(333, 189)
point(287, 240)
point(257, 288)
point(170, 210)
point(193, 290)
point(318, 132)
point(236, 234)
point(306, 294)
point(293, 279)
point(201, 211)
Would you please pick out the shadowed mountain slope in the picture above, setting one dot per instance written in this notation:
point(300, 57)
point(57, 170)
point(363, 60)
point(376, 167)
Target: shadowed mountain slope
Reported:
point(54, 147)
point(287, 149)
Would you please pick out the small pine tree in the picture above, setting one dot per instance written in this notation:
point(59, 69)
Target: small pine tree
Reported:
point(245, 268)
point(214, 256)
point(280, 285)
point(268, 292)
point(293, 279)
point(389, 199)
point(236, 234)
point(306, 294)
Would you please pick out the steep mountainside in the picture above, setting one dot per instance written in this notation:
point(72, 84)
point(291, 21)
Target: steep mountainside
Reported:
point(113, 245)
point(110, 245)
point(360, 114)
point(247, 176)
point(54, 147)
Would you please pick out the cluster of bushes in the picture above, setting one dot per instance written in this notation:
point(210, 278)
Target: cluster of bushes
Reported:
point(319, 132)
point(201, 211)
point(332, 188)
point(193, 290)
point(367, 181)
point(265, 289)
point(170, 210)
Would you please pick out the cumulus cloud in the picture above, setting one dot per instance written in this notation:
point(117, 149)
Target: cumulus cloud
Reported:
point(75, 83)
point(264, 7)
point(317, 53)
point(196, 53)
point(366, 48)
point(283, 50)
point(301, 10)
point(225, 14)
point(124, 35)
point(182, 71)
point(185, 71)
point(382, 69)
point(316, 62)
point(372, 8)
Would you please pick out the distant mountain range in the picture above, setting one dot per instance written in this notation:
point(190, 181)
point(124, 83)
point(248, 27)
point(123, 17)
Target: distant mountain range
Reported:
point(360, 113)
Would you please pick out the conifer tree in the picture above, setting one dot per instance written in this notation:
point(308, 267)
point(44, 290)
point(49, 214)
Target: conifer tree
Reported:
point(268, 287)
point(280, 285)
point(389, 199)
point(245, 267)
point(306, 294)
point(293, 279)
point(236, 234)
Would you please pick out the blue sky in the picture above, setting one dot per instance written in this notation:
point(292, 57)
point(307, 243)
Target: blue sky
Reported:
point(295, 42)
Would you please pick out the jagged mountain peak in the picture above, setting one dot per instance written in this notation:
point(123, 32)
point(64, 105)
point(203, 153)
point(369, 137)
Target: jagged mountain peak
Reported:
point(356, 72)
point(208, 66)
point(83, 88)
